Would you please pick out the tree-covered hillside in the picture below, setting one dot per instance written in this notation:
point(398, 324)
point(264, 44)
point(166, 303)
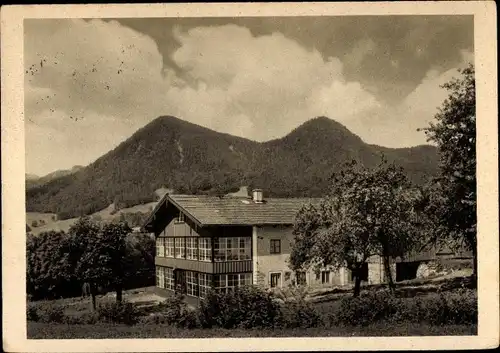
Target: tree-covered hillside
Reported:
point(188, 158)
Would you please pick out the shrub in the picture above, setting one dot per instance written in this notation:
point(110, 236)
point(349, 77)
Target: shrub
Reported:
point(51, 313)
point(32, 313)
point(299, 313)
point(457, 307)
point(366, 309)
point(295, 311)
point(84, 319)
point(124, 313)
point(174, 311)
point(245, 307)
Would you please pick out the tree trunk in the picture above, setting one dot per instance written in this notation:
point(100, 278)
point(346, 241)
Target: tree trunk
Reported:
point(388, 273)
point(357, 283)
point(93, 294)
point(119, 293)
point(474, 261)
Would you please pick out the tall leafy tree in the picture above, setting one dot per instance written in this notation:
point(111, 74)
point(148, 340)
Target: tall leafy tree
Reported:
point(102, 261)
point(113, 254)
point(48, 272)
point(454, 132)
point(84, 254)
point(368, 212)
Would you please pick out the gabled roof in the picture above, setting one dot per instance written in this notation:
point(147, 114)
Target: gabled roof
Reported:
point(213, 210)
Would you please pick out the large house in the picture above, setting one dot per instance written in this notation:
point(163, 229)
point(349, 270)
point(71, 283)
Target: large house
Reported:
point(205, 242)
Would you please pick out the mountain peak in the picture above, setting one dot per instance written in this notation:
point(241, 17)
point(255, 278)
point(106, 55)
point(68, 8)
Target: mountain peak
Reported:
point(176, 154)
point(323, 122)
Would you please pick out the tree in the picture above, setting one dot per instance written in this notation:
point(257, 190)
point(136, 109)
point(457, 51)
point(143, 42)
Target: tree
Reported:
point(84, 254)
point(368, 212)
point(113, 250)
point(100, 253)
point(454, 132)
point(48, 273)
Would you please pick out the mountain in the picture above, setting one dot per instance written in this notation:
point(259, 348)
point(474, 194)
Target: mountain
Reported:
point(34, 180)
point(172, 153)
point(31, 176)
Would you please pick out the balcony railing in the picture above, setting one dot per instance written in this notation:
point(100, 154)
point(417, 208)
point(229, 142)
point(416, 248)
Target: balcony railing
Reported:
point(206, 267)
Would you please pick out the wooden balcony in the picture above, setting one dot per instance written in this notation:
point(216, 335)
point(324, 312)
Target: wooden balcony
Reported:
point(206, 267)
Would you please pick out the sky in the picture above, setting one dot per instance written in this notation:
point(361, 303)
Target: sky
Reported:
point(91, 83)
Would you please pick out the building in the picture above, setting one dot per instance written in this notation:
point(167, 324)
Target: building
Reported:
point(226, 242)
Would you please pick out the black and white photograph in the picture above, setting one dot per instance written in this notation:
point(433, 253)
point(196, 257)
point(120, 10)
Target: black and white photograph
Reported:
point(251, 175)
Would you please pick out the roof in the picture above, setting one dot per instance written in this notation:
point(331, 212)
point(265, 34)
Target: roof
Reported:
point(213, 210)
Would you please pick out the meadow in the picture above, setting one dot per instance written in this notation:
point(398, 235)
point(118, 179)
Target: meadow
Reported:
point(437, 307)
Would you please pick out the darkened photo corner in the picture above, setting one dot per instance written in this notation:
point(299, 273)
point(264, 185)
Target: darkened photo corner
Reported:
point(250, 177)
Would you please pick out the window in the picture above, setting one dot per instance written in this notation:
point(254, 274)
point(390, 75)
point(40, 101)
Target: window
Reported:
point(275, 279)
point(275, 246)
point(169, 247)
point(160, 247)
point(205, 283)
point(192, 248)
point(245, 248)
point(220, 249)
point(169, 278)
point(180, 218)
point(232, 249)
point(233, 280)
point(160, 277)
point(205, 245)
point(245, 279)
point(180, 250)
point(164, 277)
point(226, 283)
point(325, 277)
point(192, 283)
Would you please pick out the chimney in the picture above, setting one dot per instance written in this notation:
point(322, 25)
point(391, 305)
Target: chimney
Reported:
point(257, 196)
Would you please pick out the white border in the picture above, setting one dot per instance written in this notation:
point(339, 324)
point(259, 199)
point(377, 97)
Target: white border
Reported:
point(13, 199)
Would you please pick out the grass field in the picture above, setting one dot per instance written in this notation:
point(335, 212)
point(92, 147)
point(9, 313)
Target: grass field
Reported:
point(325, 301)
point(106, 214)
point(38, 330)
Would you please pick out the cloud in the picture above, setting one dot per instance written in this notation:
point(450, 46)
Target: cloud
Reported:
point(112, 79)
point(269, 81)
point(360, 50)
point(397, 125)
point(91, 84)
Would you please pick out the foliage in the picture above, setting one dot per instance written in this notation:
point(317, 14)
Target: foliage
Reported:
point(118, 312)
point(59, 263)
point(365, 309)
point(245, 307)
point(174, 311)
point(454, 132)
point(455, 308)
point(32, 313)
point(51, 313)
point(48, 272)
point(215, 163)
point(299, 313)
point(368, 212)
point(82, 319)
point(104, 260)
point(134, 219)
